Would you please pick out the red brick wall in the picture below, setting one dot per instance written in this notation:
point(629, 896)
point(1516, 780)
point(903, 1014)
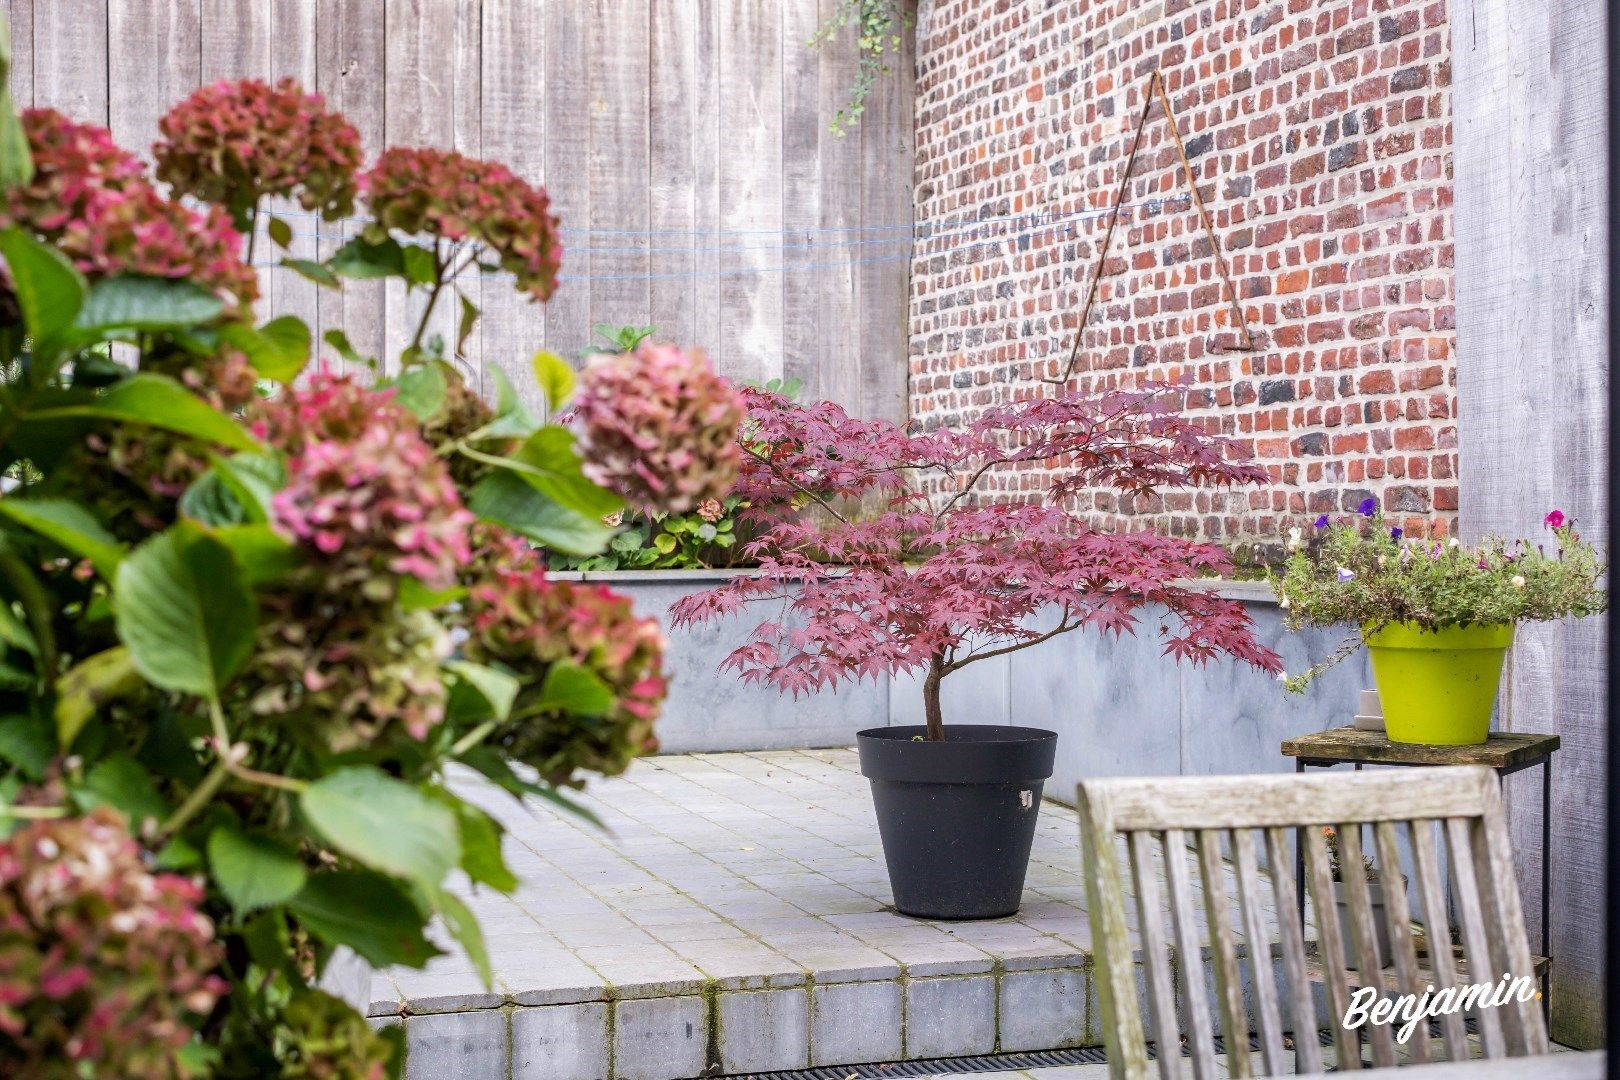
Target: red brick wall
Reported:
point(1319, 131)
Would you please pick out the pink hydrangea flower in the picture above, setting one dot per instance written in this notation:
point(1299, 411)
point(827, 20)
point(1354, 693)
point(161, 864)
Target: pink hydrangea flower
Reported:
point(659, 426)
point(529, 623)
point(364, 491)
point(91, 200)
point(234, 143)
point(449, 195)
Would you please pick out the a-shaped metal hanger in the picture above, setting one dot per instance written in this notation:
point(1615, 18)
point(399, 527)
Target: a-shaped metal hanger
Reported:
point(1156, 92)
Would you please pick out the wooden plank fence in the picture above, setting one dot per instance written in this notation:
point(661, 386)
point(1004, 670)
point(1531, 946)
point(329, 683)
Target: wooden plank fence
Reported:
point(1532, 381)
point(684, 144)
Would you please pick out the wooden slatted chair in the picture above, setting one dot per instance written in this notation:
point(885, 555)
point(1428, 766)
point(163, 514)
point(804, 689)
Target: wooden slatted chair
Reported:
point(1228, 822)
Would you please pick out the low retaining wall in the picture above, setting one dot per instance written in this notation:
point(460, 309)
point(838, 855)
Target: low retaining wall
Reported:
point(1118, 706)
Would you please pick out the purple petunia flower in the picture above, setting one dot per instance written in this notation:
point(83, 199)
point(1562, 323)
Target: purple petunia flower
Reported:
point(1368, 507)
point(1321, 522)
point(1555, 519)
point(1395, 533)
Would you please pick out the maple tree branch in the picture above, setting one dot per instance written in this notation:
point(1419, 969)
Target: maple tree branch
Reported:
point(794, 484)
point(1063, 627)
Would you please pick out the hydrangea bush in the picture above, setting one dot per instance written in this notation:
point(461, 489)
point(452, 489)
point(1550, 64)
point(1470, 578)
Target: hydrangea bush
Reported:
point(913, 585)
point(1358, 570)
point(252, 609)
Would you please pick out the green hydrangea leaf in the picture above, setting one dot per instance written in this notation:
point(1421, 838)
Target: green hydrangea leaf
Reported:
point(253, 870)
point(384, 823)
point(185, 611)
point(370, 913)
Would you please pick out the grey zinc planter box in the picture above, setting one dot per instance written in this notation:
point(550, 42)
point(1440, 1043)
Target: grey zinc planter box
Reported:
point(711, 710)
point(1119, 708)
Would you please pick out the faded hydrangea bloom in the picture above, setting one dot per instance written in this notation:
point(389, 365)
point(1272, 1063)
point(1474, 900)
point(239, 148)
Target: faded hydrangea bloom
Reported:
point(232, 144)
point(659, 426)
point(364, 490)
point(454, 197)
point(105, 967)
point(520, 618)
point(344, 673)
point(91, 200)
point(369, 504)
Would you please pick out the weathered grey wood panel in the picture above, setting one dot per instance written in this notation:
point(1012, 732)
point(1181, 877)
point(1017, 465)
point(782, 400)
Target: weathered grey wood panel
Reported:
point(684, 145)
point(1529, 138)
point(351, 71)
point(514, 100)
point(20, 18)
point(70, 58)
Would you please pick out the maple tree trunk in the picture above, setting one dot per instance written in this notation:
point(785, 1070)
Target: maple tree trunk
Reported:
point(931, 710)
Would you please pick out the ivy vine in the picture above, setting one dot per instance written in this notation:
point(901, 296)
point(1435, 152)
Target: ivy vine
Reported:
point(878, 25)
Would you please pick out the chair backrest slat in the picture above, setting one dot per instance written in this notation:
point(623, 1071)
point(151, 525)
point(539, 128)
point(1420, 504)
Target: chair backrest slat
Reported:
point(1162, 815)
point(1400, 926)
point(1252, 903)
point(1189, 956)
point(1436, 926)
point(1491, 840)
point(1369, 964)
point(1475, 934)
point(1331, 947)
point(1110, 939)
point(1290, 936)
point(1228, 980)
point(1156, 957)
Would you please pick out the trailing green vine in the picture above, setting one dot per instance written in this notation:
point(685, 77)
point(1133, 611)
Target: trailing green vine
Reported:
point(877, 25)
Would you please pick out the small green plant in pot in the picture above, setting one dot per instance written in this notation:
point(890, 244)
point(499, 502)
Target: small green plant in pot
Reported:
point(1437, 616)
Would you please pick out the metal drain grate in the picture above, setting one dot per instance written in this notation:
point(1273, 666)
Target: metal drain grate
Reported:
point(953, 1066)
point(986, 1063)
point(964, 1066)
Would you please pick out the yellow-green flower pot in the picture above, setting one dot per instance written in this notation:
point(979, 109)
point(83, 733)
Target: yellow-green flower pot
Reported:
point(1438, 686)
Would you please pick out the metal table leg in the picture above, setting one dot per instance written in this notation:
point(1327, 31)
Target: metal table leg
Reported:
point(1546, 889)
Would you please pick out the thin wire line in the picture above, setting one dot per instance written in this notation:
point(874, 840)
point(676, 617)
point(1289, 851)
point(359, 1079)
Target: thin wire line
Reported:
point(915, 230)
point(932, 237)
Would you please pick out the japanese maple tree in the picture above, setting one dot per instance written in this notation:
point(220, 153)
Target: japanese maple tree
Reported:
point(935, 583)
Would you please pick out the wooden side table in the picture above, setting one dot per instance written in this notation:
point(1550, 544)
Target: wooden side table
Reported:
point(1507, 752)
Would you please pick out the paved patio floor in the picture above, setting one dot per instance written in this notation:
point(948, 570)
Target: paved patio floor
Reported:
point(737, 914)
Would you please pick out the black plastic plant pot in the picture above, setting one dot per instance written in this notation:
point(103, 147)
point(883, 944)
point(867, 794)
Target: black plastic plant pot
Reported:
point(957, 817)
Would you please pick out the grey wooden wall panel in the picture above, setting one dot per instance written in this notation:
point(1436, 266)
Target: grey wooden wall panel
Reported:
point(750, 340)
point(839, 217)
point(20, 16)
point(684, 145)
point(235, 40)
point(672, 190)
point(711, 155)
point(568, 79)
point(514, 127)
point(620, 57)
point(1529, 138)
point(802, 128)
point(154, 59)
point(351, 73)
point(886, 141)
point(70, 57)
